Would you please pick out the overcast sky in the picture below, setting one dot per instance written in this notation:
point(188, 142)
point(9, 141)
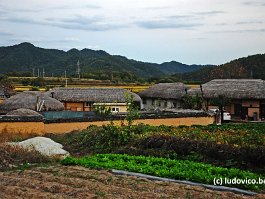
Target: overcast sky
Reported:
point(188, 31)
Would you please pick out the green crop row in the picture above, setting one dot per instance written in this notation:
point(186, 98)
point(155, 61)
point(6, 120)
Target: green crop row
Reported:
point(163, 167)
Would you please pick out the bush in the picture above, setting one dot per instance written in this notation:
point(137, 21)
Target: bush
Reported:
point(220, 154)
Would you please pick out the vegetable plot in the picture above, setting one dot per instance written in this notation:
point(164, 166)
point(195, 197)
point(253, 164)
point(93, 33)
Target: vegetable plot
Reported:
point(163, 167)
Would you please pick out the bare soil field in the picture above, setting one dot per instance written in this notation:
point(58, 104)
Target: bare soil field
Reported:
point(77, 182)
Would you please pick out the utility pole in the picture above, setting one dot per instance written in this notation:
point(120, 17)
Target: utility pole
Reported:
point(65, 78)
point(78, 69)
point(251, 74)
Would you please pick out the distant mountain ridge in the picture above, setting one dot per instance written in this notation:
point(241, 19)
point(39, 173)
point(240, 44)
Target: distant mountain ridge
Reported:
point(24, 57)
point(243, 68)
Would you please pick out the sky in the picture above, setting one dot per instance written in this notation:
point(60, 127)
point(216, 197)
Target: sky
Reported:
point(187, 31)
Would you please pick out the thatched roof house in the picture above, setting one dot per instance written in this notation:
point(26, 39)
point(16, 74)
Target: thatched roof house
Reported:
point(23, 112)
point(165, 91)
point(28, 100)
point(233, 89)
point(246, 97)
point(163, 96)
point(2, 95)
point(98, 95)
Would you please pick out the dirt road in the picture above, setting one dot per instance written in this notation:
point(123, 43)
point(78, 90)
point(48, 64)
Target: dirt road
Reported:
point(77, 182)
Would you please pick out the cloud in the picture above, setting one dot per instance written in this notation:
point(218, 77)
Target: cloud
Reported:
point(68, 7)
point(209, 13)
point(3, 12)
point(157, 8)
point(6, 9)
point(65, 40)
point(82, 20)
point(24, 21)
point(5, 34)
point(249, 22)
point(37, 9)
point(241, 31)
point(95, 23)
point(188, 21)
point(163, 24)
point(180, 17)
point(196, 15)
point(222, 24)
point(71, 39)
point(254, 3)
point(34, 10)
point(74, 23)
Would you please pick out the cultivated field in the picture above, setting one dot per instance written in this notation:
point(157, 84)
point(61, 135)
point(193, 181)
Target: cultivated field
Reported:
point(196, 153)
point(77, 182)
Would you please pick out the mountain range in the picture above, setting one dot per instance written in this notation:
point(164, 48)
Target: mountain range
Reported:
point(22, 58)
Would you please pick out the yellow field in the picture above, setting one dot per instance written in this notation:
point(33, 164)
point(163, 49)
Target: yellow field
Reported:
point(82, 83)
point(193, 85)
point(26, 88)
point(132, 88)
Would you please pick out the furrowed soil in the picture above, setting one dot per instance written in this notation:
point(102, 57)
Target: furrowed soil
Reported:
point(77, 182)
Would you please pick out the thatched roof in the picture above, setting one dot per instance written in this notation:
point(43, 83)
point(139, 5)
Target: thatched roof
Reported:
point(99, 95)
point(2, 94)
point(28, 100)
point(23, 112)
point(165, 91)
point(233, 89)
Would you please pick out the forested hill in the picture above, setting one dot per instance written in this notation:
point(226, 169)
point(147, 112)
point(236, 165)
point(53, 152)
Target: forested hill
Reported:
point(22, 58)
point(247, 67)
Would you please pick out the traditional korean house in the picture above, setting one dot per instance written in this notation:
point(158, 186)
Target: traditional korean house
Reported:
point(163, 96)
point(86, 99)
point(2, 95)
point(245, 97)
point(32, 100)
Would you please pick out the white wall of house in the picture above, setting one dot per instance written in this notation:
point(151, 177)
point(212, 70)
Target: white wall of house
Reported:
point(149, 104)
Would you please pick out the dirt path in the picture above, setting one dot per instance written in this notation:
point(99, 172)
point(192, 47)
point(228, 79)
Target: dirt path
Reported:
point(77, 182)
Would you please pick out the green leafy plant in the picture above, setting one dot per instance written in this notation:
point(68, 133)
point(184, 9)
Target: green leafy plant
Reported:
point(163, 167)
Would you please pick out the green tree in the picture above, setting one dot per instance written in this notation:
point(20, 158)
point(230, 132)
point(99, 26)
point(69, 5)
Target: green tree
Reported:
point(221, 101)
point(187, 102)
point(132, 109)
point(39, 82)
point(7, 86)
point(192, 102)
point(102, 110)
point(25, 82)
